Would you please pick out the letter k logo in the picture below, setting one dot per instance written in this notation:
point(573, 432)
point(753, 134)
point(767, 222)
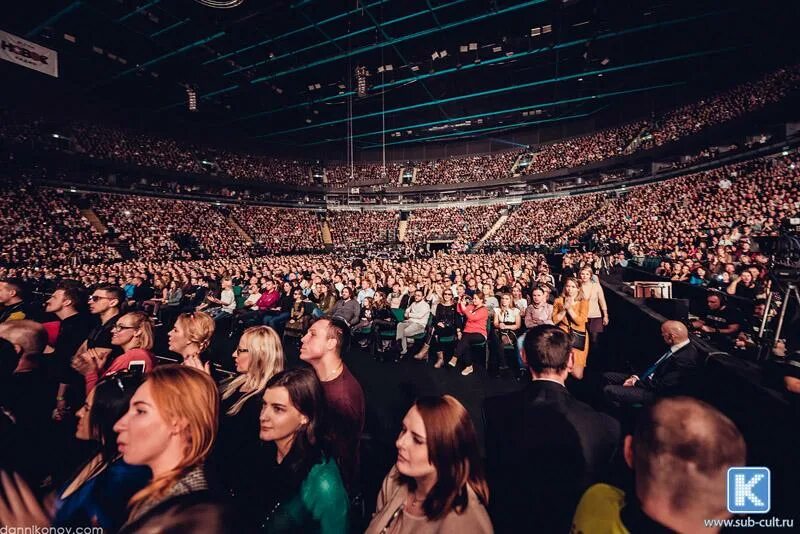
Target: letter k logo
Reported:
point(748, 490)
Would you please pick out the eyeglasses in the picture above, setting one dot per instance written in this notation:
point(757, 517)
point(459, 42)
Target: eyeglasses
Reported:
point(95, 298)
point(240, 350)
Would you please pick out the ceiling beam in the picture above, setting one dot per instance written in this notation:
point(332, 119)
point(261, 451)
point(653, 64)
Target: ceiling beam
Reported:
point(363, 49)
point(348, 35)
point(490, 62)
point(169, 55)
point(289, 33)
point(415, 126)
point(52, 20)
point(139, 9)
point(507, 89)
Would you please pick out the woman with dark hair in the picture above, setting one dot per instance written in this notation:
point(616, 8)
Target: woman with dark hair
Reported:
point(99, 492)
point(444, 324)
point(437, 483)
point(475, 330)
point(303, 490)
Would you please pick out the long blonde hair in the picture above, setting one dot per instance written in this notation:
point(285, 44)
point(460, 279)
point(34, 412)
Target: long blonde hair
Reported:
point(188, 395)
point(142, 323)
point(266, 360)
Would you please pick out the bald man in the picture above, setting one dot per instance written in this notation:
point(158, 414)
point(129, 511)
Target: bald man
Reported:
point(674, 372)
point(680, 455)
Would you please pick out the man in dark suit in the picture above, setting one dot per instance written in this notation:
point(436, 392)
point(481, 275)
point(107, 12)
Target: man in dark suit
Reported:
point(544, 447)
point(675, 372)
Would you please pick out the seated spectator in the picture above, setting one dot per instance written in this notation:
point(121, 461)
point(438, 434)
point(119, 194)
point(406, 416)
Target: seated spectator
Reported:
point(539, 311)
point(302, 488)
point(558, 445)
point(258, 357)
point(285, 305)
point(133, 334)
point(322, 348)
point(191, 336)
point(100, 491)
point(719, 321)
point(444, 325)
point(12, 304)
point(507, 325)
point(421, 493)
point(416, 320)
point(744, 286)
point(672, 439)
point(676, 371)
point(347, 307)
point(474, 332)
point(226, 302)
point(170, 427)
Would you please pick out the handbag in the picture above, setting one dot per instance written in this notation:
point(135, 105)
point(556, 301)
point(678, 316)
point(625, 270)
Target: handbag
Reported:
point(578, 339)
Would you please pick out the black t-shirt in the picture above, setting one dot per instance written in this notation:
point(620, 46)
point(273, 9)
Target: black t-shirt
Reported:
point(723, 317)
point(100, 335)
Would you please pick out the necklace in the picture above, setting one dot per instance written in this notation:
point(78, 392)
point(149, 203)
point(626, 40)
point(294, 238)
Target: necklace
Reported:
point(334, 373)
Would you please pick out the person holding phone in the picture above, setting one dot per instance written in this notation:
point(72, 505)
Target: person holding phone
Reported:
point(133, 334)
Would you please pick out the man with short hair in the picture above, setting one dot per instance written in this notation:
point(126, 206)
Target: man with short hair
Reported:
point(12, 295)
point(322, 347)
point(720, 321)
point(539, 311)
point(680, 455)
point(67, 303)
point(105, 303)
point(417, 315)
point(544, 436)
point(366, 291)
point(676, 371)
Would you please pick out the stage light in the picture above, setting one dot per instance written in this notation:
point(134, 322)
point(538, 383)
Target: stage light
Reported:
point(443, 53)
point(473, 46)
point(463, 48)
point(435, 55)
point(361, 81)
point(547, 28)
point(497, 49)
point(414, 68)
point(535, 32)
point(191, 96)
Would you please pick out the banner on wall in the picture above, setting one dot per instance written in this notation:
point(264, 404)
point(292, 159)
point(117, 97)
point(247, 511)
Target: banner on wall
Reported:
point(23, 52)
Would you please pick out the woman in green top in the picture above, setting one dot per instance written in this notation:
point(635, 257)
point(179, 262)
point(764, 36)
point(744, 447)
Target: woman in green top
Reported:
point(303, 491)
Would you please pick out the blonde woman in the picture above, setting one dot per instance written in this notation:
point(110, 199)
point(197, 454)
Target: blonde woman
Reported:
point(570, 314)
point(170, 426)
point(191, 336)
point(258, 357)
point(133, 333)
point(598, 309)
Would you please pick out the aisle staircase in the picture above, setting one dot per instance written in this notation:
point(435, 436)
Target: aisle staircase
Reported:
point(233, 223)
point(491, 231)
point(402, 228)
point(94, 220)
point(327, 238)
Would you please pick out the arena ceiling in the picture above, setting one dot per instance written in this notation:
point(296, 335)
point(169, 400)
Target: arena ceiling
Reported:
point(282, 73)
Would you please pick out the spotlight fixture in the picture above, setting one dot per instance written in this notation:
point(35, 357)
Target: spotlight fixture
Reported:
point(191, 98)
point(473, 46)
point(463, 48)
point(435, 55)
point(361, 81)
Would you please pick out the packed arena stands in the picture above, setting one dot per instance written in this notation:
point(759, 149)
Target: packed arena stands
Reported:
point(43, 229)
point(156, 228)
point(462, 225)
point(280, 230)
point(152, 151)
point(358, 228)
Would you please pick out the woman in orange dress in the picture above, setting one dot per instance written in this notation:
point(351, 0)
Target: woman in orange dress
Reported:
point(571, 312)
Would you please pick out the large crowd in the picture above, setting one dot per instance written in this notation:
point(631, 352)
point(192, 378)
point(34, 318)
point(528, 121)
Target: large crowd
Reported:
point(137, 148)
point(280, 230)
point(275, 446)
point(462, 226)
point(360, 228)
